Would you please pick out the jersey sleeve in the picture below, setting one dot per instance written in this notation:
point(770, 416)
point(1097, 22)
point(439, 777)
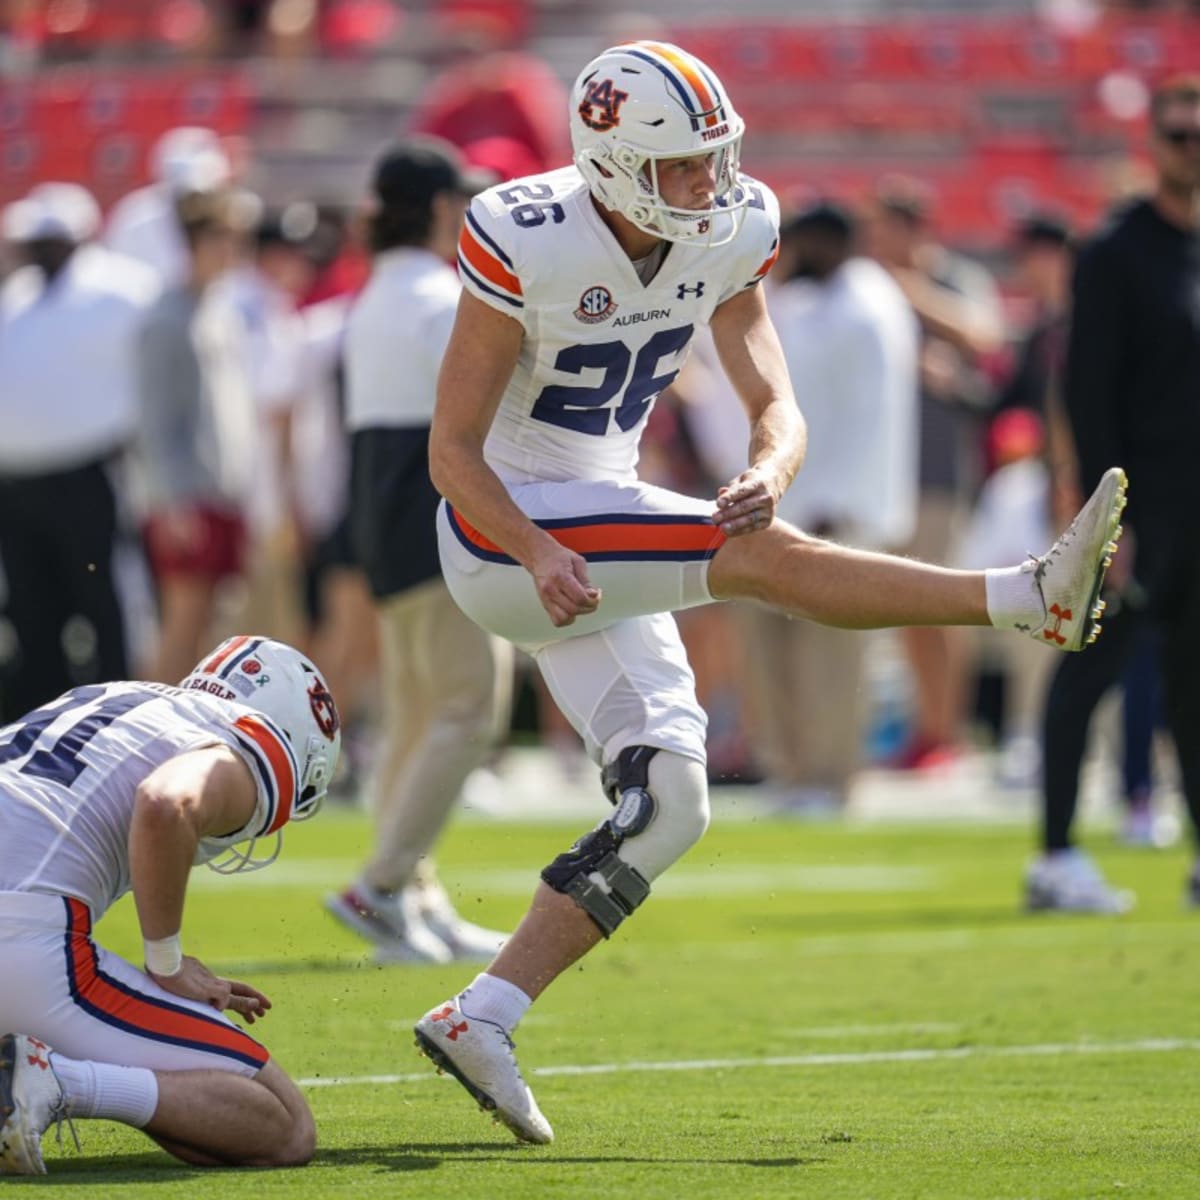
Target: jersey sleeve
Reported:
point(486, 264)
point(758, 239)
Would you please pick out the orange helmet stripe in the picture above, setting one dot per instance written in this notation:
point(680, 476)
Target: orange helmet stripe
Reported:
point(685, 65)
point(214, 664)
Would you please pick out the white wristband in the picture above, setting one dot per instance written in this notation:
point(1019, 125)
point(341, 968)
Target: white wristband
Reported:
point(163, 957)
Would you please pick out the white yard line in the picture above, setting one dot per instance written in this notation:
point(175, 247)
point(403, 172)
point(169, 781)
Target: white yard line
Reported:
point(1044, 1050)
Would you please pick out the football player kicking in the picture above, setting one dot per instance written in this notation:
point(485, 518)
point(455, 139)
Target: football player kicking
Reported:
point(582, 290)
point(121, 787)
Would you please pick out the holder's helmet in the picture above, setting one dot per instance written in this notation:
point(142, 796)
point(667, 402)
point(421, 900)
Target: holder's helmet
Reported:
point(279, 682)
point(640, 103)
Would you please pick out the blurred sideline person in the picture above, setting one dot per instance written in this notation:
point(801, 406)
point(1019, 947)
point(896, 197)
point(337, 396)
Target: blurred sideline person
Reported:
point(342, 635)
point(1012, 513)
point(582, 290)
point(265, 291)
point(956, 302)
point(145, 223)
point(1044, 258)
point(850, 342)
point(1133, 389)
point(69, 322)
point(1044, 265)
point(124, 787)
point(196, 436)
point(446, 683)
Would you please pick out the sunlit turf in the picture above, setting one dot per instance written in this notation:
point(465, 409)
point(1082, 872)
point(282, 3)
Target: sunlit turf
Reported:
point(837, 949)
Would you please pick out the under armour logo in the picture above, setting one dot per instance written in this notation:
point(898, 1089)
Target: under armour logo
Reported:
point(683, 290)
point(36, 1059)
point(1060, 615)
point(447, 1014)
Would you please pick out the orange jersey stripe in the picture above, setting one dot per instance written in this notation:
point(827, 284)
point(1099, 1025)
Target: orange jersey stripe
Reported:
point(770, 262)
point(141, 1013)
point(281, 767)
point(617, 536)
point(694, 78)
point(486, 263)
point(214, 664)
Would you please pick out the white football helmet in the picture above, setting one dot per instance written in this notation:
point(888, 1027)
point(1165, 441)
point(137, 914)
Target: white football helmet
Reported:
point(278, 681)
point(640, 103)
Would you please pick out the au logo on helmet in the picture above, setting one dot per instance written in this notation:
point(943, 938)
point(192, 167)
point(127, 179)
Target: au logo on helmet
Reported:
point(600, 107)
point(324, 710)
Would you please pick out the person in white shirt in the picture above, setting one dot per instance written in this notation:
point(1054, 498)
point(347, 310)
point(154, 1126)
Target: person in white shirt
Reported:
point(446, 682)
point(124, 787)
point(144, 224)
point(69, 321)
point(264, 294)
point(196, 437)
point(582, 289)
point(851, 344)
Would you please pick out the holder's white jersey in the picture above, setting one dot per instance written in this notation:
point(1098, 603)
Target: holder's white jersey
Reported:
point(599, 345)
point(69, 772)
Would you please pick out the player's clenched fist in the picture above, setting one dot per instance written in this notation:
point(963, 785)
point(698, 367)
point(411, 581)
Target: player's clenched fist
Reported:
point(561, 578)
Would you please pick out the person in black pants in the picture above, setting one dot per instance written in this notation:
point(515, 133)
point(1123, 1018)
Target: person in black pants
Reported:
point(68, 319)
point(1132, 396)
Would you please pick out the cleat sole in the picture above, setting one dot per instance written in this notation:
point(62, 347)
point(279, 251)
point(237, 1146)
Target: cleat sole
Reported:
point(445, 1063)
point(446, 1066)
point(1095, 606)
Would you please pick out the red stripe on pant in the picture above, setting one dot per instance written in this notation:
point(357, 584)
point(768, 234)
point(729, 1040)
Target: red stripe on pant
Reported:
point(156, 1018)
point(614, 537)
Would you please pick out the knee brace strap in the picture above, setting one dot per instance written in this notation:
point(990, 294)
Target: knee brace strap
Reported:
point(626, 783)
point(592, 874)
point(630, 769)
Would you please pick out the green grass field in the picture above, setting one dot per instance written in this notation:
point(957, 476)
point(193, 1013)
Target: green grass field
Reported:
point(798, 1011)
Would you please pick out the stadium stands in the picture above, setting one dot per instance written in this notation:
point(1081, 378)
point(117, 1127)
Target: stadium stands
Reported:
point(999, 112)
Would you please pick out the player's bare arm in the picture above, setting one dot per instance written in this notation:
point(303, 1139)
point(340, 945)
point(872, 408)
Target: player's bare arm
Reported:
point(479, 361)
point(205, 793)
point(753, 360)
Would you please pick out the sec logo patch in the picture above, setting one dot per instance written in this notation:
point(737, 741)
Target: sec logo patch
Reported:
point(595, 305)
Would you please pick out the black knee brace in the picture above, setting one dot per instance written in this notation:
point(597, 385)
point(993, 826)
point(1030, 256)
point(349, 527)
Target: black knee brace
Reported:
point(591, 872)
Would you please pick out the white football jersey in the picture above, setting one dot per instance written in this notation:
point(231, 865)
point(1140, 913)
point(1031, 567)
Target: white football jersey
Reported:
point(600, 345)
point(69, 772)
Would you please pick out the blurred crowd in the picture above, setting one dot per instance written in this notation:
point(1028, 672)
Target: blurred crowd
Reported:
point(176, 461)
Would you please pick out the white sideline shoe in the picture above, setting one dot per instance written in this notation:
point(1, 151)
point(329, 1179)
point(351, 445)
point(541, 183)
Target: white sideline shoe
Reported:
point(30, 1098)
point(1070, 882)
point(1069, 575)
point(467, 942)
point(479, 1054)
point(390, 922)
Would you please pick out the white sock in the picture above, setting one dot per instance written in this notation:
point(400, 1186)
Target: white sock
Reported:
point(105, 1091)
point(1013, 598)
point(490, 998)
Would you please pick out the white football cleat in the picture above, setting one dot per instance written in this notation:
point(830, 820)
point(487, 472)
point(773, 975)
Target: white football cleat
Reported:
point(391, 923)
point(465, 941)
point(479, 1054)
point(1069, 575)
point(30, 1099)
point(1070, 882)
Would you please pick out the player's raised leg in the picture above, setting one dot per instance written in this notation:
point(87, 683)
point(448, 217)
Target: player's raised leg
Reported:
point(1053, 599)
